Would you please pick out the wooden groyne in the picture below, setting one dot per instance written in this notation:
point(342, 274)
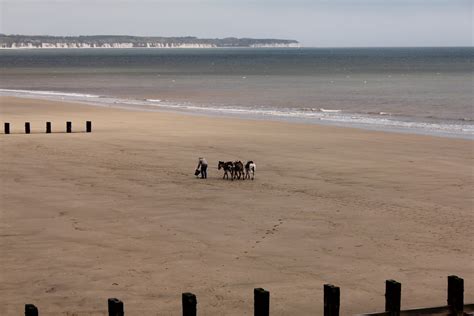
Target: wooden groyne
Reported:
point(7, 128)
point(332, 297)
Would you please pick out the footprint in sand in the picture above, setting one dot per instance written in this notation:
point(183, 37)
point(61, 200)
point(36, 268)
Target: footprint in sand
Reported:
point(269, 232)
point(51, 290)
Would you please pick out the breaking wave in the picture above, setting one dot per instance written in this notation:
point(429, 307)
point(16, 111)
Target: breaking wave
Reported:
point(373, 120)
point(49, 93)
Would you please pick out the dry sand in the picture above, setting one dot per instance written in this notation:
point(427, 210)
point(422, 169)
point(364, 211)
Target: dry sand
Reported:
point(118, 213)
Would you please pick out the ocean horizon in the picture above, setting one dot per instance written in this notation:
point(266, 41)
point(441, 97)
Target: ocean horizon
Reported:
point(414, 90)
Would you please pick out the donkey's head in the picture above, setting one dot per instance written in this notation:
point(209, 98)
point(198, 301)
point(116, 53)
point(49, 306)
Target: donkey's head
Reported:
point(220, 165)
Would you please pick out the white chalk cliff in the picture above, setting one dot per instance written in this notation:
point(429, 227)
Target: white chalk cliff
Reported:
point(105, 41)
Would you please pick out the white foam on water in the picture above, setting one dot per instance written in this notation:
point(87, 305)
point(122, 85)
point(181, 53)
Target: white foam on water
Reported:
point(329, 111)
point(377, 120)
point(49, 93)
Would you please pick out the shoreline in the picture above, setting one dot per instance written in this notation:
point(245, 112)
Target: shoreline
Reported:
point(384, 122)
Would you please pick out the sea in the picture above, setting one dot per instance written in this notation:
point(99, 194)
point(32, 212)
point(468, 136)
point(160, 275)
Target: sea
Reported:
point(409, 90)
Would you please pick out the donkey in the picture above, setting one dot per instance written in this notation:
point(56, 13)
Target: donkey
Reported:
point(228, 168)
point(238, 170)
point(250, 168)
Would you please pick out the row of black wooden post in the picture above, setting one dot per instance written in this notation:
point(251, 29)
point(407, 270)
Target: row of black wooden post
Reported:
point(48, 127)
point(189, 303)
point(393, 290)
point(393, 294)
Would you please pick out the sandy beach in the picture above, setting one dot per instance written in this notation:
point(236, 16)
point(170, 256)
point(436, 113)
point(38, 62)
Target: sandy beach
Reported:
point(119, 213)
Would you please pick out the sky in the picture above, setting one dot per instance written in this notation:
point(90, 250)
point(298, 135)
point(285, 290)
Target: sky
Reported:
point(314, 23)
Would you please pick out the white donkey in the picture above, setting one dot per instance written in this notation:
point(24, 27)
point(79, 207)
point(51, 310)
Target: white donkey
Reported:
point(250, 168)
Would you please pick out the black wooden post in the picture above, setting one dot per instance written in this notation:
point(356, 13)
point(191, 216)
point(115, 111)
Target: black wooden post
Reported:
point(115, 307)
point(31, 310)
point(68, 127)
point(88, 126)
point(393, 295)
point(456, 293)
point(27, 128)
point(48, 127)
point(261, 302)
point(332, 298)
point(7, 128)
point(189, 302)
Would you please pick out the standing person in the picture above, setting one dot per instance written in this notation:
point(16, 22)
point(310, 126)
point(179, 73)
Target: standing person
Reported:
point(202, 165)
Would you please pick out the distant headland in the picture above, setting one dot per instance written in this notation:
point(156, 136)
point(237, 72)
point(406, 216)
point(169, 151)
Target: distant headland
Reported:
point(123, 41)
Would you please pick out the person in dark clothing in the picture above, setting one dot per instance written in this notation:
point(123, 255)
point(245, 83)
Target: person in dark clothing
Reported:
point(202, 166)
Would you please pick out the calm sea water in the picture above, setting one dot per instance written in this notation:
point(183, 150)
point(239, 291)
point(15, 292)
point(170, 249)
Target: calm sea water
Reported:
point(428, 90)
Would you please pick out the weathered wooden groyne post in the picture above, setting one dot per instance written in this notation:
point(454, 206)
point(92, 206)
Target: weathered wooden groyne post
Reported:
point(31, 310)
point(332, 297)
point(27, 128)
point(6, 128)
point(115, 307)
point(189, 303)
point(456, 294)
point(261, 302)
point(48, 127)
point(88, 126)
point(68, 127)
point(393, 294)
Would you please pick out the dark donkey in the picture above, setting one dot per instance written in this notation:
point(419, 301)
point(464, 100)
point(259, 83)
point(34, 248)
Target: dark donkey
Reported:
point(238, 170)
point(228, 168)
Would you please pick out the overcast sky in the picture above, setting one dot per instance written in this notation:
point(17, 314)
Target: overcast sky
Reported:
point(322, 23)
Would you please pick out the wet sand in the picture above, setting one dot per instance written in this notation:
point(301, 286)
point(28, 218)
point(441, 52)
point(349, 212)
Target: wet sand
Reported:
point(118, 213)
